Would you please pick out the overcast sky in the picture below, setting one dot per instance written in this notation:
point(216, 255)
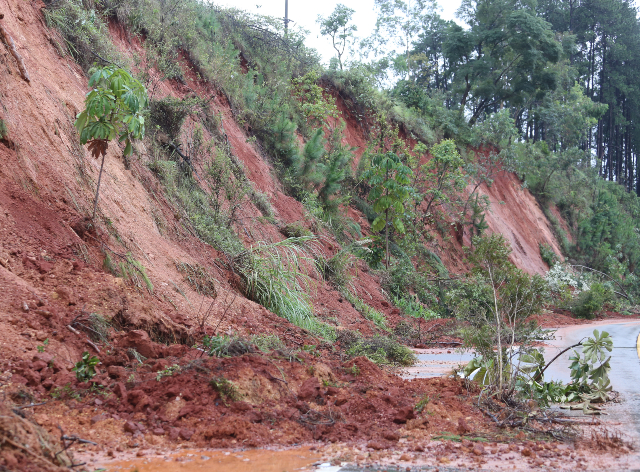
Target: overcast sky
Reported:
point(305, 12)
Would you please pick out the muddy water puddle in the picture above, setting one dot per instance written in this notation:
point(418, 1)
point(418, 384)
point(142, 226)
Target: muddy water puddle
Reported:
point(254, 460)
point(436, 362)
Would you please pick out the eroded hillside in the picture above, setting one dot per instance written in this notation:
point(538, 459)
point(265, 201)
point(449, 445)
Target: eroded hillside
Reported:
point(56, 266)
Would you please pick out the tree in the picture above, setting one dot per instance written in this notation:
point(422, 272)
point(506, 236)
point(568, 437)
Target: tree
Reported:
point(389, 179)
point(502, 58)
point(496, 302)
point(337, 27)
point(113, 108)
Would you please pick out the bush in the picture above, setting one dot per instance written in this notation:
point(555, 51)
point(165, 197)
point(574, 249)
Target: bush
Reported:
point(379, 349)
point(547, 254)
point(226, 388)
point(591, 301)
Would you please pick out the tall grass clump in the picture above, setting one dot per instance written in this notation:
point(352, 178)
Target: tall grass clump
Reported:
point(274, 276)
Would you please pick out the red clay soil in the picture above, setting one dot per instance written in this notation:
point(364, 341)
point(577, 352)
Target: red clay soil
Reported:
point(52, 274)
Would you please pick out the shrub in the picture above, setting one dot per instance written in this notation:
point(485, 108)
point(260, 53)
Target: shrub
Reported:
point(379, 349)
point(85, 368)
point(591, 301)
point(547, 254)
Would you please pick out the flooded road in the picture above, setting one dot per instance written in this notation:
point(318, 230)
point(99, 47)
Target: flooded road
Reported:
point(625, 369)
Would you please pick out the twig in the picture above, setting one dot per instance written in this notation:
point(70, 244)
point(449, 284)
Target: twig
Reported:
point(90, 343)
point(12, 48)
point(31, 405)
point(73, 330)
point(539, 376)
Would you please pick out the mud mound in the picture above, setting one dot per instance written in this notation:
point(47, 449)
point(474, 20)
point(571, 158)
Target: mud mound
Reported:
point(25, 446)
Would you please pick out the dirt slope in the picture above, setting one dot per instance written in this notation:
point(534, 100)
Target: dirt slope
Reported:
point(51, 261)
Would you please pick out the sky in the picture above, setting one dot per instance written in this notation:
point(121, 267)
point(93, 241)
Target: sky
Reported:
point(305, 12)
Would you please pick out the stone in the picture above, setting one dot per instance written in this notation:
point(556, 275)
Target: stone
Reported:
point(185, 434)
point(391, 435)
point(140, 341)
point(309, 389)
point(403, 415)
point(117, 372)
point(130, 427)
point(478, 450)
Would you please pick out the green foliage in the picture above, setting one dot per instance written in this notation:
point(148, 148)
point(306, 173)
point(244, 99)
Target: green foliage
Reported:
point(168, 371)
point(389, 179)
point(591, 301)
point(44, 345)
point(227, 346)
point(496, 304)
point(547, 254)
point(85, 368)
point(226, 388)
point(295, 230)
point(113, 108)
point(379, 349)
point(337, 27)
point(84, 30)
point(267, 342)
point(312, 103)
point(4, 132)
point(270, 275)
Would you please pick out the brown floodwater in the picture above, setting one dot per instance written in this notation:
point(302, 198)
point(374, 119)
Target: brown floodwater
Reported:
point(254, 460)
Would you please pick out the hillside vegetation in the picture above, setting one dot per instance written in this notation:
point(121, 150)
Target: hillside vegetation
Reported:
point(241, 202)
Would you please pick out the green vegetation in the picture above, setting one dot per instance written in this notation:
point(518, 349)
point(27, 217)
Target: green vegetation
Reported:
point(4, 132)
point(226, 388)
point(168, 371)
point(379, 349)
point(227, 346)
point(85, 368)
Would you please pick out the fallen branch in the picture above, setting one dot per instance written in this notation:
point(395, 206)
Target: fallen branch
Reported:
point(30, 405)
point(12, 48)
point(539, 375)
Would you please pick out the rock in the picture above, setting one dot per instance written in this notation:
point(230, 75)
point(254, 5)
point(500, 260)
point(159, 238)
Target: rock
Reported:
point(44, 267)
point(158, 431)
point(332, 391)
point(33, 377)
point(463, 428)
point(121, 392)
point(478, 450)
point(527, 452)
point(140, 341)
point(405, 457)
point(39, 365)
point(98, 418)
point(310, 389)
point(378, 445)
point(240, 406)
point(185, 434)
point(48, 384)
point(254, 416)
point(174, 433)
point(43, 357)
point(130, 427)
point(45, 313)
point(391, 436)
point(341, 400)
point(403, 415)
point(117, 372)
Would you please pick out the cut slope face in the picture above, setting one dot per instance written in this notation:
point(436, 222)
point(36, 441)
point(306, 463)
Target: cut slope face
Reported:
point(52, 259)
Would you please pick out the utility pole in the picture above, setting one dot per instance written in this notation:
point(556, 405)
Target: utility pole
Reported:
point(286, 17)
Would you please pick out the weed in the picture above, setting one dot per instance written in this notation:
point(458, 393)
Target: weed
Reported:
point(295, 230)
point(85, 368)
point(267, 342)
point(4, 132)
point(270, 275)
point(59, 393)
point(227, 346)
point(136, 355)
point(45, 343)
point(368, 312)
point(226, 388)
point(99, 328)
point(378, 349)
point(422, 404)
point(198, 278)
point(354, 370)
point(168, 372)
